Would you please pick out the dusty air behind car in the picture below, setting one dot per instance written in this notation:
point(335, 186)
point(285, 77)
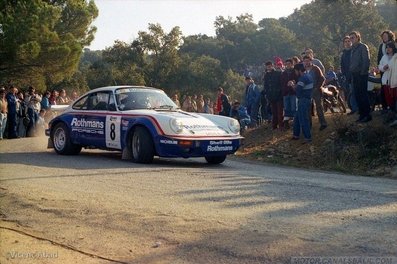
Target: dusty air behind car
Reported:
point(142, 122)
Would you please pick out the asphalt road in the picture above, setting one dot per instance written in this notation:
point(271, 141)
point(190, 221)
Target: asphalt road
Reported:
point(97, 208)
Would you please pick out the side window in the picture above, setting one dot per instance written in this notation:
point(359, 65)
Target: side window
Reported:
point(112, 103)
point(81, 104)
point(98, 101)
point(102, 101)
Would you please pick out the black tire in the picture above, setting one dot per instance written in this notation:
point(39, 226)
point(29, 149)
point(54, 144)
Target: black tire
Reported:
point(60, 137)
point(142, 146)
point(215, 159)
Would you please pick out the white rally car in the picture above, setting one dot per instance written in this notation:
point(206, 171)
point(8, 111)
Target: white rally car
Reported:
point(142, 122)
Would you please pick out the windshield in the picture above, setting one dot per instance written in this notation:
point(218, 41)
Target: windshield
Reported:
point(137, 98)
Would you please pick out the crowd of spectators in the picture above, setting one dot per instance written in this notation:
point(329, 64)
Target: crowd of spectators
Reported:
point(26, 113)
point(294, 90)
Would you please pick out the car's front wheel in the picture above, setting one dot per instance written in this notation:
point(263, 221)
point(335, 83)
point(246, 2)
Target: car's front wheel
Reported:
point(142, 146)
point(215, 159)
point(62, 142)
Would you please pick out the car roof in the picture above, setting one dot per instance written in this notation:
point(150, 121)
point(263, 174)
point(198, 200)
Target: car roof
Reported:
point(113, 88)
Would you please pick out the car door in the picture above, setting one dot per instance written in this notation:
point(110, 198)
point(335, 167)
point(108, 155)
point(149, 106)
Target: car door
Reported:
point(88, 124)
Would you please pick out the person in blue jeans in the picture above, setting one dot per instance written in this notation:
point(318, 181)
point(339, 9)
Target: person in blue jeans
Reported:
point(252, 100)
point(359, 68)
point(303, 89)
point(289, 95)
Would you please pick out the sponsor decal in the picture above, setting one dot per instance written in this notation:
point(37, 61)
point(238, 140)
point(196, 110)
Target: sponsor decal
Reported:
point(87, 126)
point(220, 145)
point(200, 127)
point(221, 142)
point(168, 141)
point(124, 122)
point(219, 148)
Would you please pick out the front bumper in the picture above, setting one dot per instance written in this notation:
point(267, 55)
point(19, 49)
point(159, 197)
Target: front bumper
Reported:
point(195, 147)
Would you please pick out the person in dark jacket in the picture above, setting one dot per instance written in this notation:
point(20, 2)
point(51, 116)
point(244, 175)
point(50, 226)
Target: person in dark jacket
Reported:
point(272, 86)
point(344, 66)
point(303, 88)
point(223, 103)
point(359, 68)
point(289, 95)
point(12, 101)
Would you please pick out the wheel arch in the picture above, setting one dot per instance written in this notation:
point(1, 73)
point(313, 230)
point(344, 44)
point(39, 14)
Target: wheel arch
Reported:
point(54, 124)
point(148, 126)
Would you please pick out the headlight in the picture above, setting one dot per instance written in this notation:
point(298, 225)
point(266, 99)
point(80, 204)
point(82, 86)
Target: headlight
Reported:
point(176, 125)
point(234, 126)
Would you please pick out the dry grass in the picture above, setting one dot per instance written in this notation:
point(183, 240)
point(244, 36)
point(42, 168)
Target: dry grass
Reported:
point(345, 146)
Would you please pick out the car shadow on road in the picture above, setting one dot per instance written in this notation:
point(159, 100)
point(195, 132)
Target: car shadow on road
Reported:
point(94, 160)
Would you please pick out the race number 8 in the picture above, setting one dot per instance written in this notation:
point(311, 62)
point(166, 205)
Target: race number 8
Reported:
point(112, 131)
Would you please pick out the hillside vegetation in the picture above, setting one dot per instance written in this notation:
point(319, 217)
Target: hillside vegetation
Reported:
point(345, 146)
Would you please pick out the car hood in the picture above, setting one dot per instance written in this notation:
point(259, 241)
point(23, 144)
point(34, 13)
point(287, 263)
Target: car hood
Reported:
point(194, 124)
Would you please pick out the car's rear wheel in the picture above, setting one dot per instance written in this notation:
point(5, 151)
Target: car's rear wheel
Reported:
point(62, 142)
point(142, 146)
point(215, 159)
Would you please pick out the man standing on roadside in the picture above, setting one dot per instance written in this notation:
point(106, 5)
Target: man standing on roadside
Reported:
point(345, 68)
point(223, 103)
point(318, 81)
point(315, 61)
point(303, 90)
point(251, 100)
point(272, 87)
point(359, 67)
point(289, 94)
point(12, 102)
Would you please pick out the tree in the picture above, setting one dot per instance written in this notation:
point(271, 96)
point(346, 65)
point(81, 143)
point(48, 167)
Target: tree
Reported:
point(388, 10)
point(322, 24)
point(41, 40)
point(161, 53)
point(234, 85)
point(198, 45)
point(235, 38)
point(77, 82)
point(275, 40)
point(125, 61)
point(207, 74)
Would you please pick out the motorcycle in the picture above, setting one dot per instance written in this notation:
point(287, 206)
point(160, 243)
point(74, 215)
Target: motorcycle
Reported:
point(332, 100)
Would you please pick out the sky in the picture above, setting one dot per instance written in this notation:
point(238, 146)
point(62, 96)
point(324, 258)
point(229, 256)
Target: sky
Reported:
point(123, 19)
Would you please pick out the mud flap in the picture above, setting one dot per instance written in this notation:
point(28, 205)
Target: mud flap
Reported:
point(126, 154)
point(50, 145)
